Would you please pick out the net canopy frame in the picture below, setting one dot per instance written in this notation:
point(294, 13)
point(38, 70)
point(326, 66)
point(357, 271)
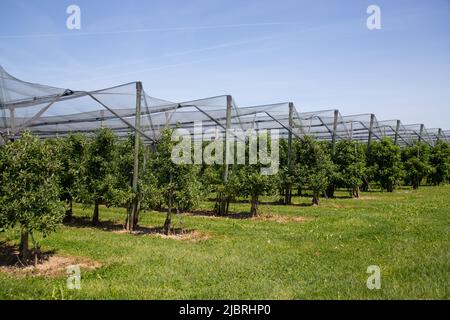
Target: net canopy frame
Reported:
point(49, 111)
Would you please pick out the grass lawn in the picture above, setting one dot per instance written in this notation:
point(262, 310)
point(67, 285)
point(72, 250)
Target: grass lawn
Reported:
point(324, 256)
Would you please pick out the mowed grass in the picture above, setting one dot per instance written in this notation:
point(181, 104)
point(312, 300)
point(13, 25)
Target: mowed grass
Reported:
point(405, 233)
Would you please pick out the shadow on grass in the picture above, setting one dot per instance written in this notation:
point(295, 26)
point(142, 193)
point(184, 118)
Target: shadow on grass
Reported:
point(210, 213)
point(9, 256)
point(108, 225)
point(237, 215)
point(86, 222)
point(303, 204)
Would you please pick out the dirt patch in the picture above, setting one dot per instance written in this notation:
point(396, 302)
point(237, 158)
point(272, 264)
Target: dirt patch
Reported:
point(367, 198)
point(191, 236)
point(50, 265)
point(281, 219)
point(175, 233)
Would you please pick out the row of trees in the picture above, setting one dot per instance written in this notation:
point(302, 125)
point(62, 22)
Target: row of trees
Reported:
point(40, 179)
point(322, 168)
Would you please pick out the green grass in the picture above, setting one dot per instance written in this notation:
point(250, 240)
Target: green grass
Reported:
point(405, 233)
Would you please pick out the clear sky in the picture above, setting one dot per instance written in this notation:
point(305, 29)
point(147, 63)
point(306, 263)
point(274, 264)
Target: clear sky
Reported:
point(318, 54)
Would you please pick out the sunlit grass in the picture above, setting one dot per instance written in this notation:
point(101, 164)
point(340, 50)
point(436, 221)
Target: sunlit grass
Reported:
point(325, 256)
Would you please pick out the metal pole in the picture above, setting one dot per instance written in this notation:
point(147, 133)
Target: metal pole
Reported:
point(287, 196)
point(222, 200)
point(333, 137)
point(227, 144)
point(439, 134)
point(135, 206)
point(12, 120)
point(421, 132)
point(369, 140)
point(397, 128)
point(351, 131)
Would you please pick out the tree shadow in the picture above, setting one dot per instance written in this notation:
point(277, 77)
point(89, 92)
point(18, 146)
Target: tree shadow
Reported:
point(230, 215)
point(86, 222)
point(339, 197)
point(112, 226)
point(9, 256)
point(303, 204)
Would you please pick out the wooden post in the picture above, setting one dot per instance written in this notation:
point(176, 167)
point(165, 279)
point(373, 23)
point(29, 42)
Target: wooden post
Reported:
point(288, 191)
point(333, 137)
point(369, 140)
point(135, 205)
point(397, 128)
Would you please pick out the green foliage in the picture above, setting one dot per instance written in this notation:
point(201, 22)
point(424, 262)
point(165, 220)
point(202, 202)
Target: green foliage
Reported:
point(71, 151)
point(416, 163)
point(350, 163)
point(385, 157)
point(29, 186)
point(313, 166)
point(100, 182)
point(212, 179)
point(178, 183)
point(250, 180)
point(440, 162)
point(405, 233)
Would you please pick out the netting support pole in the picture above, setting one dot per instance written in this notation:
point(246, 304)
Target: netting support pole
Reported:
point(369, 140)
point(227, 143)
point(288, 191)
point(333, 137)
point(439, 136)
point(421, 132)
point(134, 212)
point(397, 129)
point(12, 119)
point(222, 201)
point(351, 131)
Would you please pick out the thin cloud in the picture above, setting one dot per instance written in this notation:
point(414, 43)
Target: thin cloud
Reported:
point(183, 28)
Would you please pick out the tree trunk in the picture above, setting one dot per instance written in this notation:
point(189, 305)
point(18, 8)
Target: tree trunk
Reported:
point(95, 220)
point(390, 187)
point(221, 206)
point(299, 191)
point(136, 215)
point(168, 216)
point(127, 218)
point(415, 183)
point(69, 212)
point(168, 221)
point(23, 247)
point(254, 206)
point(288, 195)
point(355, 192)
point(365, 185)
point(330, 191)
point(315, 199)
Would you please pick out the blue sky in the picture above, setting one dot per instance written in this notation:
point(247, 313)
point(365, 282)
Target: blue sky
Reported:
point(318, 54)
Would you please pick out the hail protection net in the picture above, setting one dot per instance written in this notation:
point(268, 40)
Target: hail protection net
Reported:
point(50, 111)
